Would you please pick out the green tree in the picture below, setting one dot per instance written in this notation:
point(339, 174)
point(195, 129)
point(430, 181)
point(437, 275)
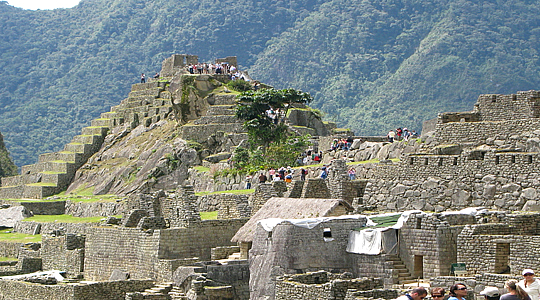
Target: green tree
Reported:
point(252, 107)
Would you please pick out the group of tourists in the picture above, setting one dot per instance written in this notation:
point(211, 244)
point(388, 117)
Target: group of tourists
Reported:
point(143, 77)
point(401, 134)
point(526, 289)
point(206, 68)
point(342, 144)
point(311, 157)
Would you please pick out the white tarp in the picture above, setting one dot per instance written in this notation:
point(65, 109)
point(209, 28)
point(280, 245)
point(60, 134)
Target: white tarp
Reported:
point(269, 224)
point(371, 241)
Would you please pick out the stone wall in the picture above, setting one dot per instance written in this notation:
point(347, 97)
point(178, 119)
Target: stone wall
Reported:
point(233, 206)
point(320, 285)
point(115, 290)
point(139, 252)
point(446, 182)
point(126, 249)
point(64, 253)
point(8, 249)
point(235, 273)
point(40, 207)
point(508, 133)
point(104, 209)
point(36, 227)
point(198, 239)
point(290, 249)
point(497, 248)
point(522, 105)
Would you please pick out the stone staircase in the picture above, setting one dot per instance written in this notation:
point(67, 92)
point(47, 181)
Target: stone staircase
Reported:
point(163, 291)
point(147, 103)
point(220, 117)
point(400, 273)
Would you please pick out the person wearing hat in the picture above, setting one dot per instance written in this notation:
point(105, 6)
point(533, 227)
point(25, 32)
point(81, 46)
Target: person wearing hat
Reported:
point(491, 293)
point(530, 284)
point(418, 293)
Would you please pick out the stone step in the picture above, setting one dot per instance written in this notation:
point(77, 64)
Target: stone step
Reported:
point(39, 190)
point(11, 192)
point(224, 99)
point(235, 256)
point(109, 115)
point(216, 110)
point(62, 155)
point(78, 148)
point(87, 139)
point(219, 119)
point(148, 85)
point(51, 166)
point(162, 102)
point(101, 122)
point(147, 92)
point(95, 130)
point(200, 133)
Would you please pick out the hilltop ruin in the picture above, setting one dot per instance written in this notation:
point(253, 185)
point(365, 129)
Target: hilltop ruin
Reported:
point(465, 194)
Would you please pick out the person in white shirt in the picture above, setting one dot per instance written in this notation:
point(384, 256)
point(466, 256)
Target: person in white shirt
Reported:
point(530, 284)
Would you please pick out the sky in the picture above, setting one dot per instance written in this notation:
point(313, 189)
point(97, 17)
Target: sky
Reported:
point(43, 4)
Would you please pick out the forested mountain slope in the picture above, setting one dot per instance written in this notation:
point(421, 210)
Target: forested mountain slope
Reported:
point(371, 65)
point(62, 68)
point(376, 65)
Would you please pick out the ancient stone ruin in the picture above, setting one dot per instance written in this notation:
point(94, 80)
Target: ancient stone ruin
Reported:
point(459, 205)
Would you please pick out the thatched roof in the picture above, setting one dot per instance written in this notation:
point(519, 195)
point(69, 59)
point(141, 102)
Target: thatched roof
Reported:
point(289, 208)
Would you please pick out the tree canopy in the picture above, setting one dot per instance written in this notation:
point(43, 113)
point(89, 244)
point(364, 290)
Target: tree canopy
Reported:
point(262, 111)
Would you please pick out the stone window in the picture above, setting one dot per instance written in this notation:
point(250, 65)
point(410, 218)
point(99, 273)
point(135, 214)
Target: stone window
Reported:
point(529, 159)
point(455, 161)
point(440, 161)
point(426, 161)
point(513, 159)
point(327, 235)
point(411, 161)
point(497, 161)
point(502, 254)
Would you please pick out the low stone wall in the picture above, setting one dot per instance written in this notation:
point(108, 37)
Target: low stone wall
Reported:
point(235, 273)
point(104, 209)
point(8, 249)
point(40, 207)
point(32, 227)
point(317, 286)
point(114, 290)
point(223, 252)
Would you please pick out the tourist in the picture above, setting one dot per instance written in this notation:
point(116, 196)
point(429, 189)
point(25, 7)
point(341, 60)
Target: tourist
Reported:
point(418, 293)
point(515, 292)
point(143, 78)
point(334, 145)
point(281, 172)
point(458, 291)
point(271, 173)
point(349, 142)
point(262, 178)
point(391, 136)
point(156, 76)
point(399, 132)
point(288, 177)
point(530, 284)
point(248, 181)
point(324, 173)
point(303, 173)
point(491, 293)
point(352, 173)
point(276, 178)
point(437, 293)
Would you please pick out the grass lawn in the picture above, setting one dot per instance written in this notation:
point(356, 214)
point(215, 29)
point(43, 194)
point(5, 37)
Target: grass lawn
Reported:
point(3, 258)
point(201, 169)
point(209, 215)
point(15, 237)
point(62, 219)
point(235, 192)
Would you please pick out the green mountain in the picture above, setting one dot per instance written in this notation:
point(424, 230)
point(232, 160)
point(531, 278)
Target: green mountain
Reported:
point(371, 65)
point(379, 65)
